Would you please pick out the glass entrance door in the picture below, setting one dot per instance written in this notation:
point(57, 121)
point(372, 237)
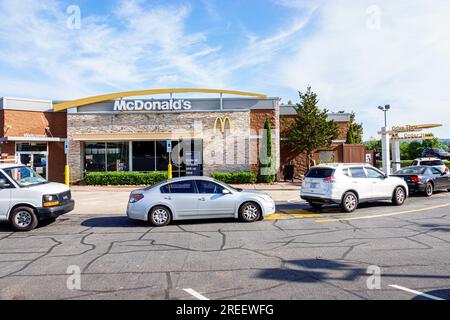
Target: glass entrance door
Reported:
point(35, 161)
point(33, 155)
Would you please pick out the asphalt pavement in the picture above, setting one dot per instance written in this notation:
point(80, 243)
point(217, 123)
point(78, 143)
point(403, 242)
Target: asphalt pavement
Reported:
point(296, 254)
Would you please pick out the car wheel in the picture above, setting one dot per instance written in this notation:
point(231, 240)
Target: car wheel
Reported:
point(160, 216)
point(349, 202)
point(399, 197)
point(250, 212)
point(316, 206)
point(24, 219)
point(429, 189)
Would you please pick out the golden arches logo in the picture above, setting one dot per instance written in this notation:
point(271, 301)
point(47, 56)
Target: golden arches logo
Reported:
point(223, 124)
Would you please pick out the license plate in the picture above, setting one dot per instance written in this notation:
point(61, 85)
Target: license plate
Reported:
point(314, 185)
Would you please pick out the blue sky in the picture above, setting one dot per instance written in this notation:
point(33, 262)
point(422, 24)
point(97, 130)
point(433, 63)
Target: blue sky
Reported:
point(355, 54)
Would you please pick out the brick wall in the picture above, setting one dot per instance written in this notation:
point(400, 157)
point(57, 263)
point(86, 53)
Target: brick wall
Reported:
point(56, 161)
point(285, 122)
point(20, 123)
point(14, 123)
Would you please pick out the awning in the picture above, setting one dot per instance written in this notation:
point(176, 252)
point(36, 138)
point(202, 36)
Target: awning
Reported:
point(136, 136)
point(32, 139)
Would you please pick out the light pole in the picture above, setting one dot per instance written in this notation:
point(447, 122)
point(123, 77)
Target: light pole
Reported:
point(385, 143)
point(385, 109)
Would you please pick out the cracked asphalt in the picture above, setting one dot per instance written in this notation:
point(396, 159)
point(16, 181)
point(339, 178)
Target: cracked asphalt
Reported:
point(296, 254)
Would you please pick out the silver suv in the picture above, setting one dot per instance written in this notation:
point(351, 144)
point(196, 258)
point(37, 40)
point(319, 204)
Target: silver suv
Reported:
point(350, 184)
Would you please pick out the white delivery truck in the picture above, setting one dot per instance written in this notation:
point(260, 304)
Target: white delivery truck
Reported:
point(26, 197)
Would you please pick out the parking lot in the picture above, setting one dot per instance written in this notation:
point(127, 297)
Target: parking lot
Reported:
point(295, 254)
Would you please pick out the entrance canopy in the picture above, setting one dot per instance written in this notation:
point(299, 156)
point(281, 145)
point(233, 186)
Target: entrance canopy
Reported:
point(32, 139)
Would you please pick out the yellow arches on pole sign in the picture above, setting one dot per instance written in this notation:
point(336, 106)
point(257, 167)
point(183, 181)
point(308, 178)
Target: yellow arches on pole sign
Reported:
point(112, 96)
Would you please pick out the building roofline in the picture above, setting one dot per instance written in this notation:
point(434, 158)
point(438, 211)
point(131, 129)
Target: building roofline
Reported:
point(137, 93)
point(26, 99)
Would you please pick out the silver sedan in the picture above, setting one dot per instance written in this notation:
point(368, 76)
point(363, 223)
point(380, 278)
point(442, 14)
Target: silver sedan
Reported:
point(197, 198)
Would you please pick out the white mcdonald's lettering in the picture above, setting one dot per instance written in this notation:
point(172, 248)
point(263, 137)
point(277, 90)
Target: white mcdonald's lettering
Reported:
point(140, 105)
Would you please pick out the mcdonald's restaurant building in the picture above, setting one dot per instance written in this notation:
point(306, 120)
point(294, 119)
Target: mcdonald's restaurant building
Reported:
point(110, 133)
point(137, 135)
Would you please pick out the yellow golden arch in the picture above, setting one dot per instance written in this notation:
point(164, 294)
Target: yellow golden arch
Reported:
point(112, 96)
point(223, 124)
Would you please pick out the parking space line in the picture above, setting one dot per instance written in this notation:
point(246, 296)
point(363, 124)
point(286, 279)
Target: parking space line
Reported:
point(292, 214)
point(418, 293)
point(385, 215)
point(195, 294)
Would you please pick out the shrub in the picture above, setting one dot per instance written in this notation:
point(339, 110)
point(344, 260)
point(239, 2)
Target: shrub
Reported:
point(235, 177)
point(124, 178)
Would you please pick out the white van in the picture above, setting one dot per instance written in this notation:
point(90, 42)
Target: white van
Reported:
point(26, 197)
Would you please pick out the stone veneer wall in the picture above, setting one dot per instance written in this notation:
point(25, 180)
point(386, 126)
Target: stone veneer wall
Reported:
point(173, 122)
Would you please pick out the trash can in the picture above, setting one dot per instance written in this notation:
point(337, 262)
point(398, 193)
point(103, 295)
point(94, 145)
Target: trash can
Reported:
point(288, 172)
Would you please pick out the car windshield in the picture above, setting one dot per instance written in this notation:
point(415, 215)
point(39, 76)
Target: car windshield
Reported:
point(416, 170)
point(24, 176)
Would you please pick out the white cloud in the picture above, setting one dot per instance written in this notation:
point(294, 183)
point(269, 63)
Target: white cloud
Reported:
point(137, 48)
point(355, 66)
point(138, 45)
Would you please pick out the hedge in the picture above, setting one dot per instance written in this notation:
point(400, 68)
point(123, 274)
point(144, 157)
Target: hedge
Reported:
point(124, 178)
point(235, 177)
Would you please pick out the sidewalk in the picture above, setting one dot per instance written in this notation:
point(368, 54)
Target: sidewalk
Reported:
point(278, 186)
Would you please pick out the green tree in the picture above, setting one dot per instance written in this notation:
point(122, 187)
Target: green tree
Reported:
point(355, 131)
point(267, 172)
point(311, 129)
point(373, 144)
point(432, 143)
point(404, 150)
point(415, 149)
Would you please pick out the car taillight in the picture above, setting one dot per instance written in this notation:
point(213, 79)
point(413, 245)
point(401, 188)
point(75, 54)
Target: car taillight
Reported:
point(415, 179)
point(136, 198)
point(446, 170)
point(331, 179)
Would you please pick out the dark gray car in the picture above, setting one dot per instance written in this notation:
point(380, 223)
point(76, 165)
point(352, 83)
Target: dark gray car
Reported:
point(424, 179)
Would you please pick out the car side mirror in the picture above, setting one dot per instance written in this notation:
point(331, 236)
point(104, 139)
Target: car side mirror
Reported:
point(226, 191)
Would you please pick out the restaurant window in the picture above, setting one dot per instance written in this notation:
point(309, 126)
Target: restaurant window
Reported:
point(31, 147)
point(162, 157)
point(117, 156)
point(95, 156)
point(102, 156)
point(144, 156)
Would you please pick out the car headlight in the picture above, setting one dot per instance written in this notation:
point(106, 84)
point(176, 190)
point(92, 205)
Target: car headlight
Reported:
point(50, 200)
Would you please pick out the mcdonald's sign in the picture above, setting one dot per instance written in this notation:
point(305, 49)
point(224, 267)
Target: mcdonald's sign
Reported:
point(223, 124)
